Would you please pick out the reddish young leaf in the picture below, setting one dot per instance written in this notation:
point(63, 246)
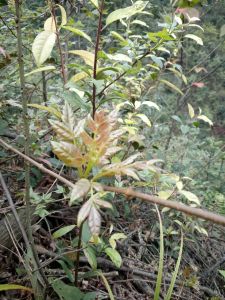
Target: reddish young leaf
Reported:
point(198, 84)
point(80, 190)
point(69, 154)
point(64, 133)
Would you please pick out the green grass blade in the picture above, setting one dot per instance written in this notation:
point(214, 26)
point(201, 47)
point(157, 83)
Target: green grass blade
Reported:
point(10, 286)
point(173, 280)
point(161, 255)
point(105, 281)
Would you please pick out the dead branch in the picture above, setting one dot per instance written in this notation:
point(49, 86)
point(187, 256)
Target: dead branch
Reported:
point(197, 212)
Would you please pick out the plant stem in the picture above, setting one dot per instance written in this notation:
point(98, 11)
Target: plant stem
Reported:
point(63, 70)
point(14, 211)
point(44, 87)
point(31, 249)
point(96, 58)
point(78, 254)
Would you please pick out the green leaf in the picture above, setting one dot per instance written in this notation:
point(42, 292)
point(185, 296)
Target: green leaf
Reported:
point(42, 69)
point(42, 46)
point(78, 32)
point(95, 2)
point(179, 74)
point(201, 230)
point(127, 12)
point(120, 57)
point(88, 57)
point(62, 231)
point(117, 36)
point(105, 71)
point(157, 60)
point(65, 268)
point(65, 291)
point(114, 256)
point(139, 23)
point(222, 272)
point(195, 38)
point(49, 109)
point(171, 85)
point(75, 100)
point(190, 196)
point(222, 30)
point(10, 286)
point(196, 26)
point(91, 257)
point(63, 15)
point(165, 194)
point(115, 237)
point(151, 104)
point(191, 111)
point(90, 296)
point(49, 25)
point(205, 119)
point(145, 119)
point(79, 76)
point(86, 234)
point(179, 185)
point(80, 189)
point(188, 3)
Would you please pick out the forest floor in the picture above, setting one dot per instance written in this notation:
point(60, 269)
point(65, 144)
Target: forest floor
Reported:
point(198, 277)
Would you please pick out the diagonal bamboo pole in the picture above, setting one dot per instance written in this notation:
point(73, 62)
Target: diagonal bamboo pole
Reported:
point(197, 212)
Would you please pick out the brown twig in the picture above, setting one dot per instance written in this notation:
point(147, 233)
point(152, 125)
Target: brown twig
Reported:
point(14, 211)
point(197, 212)
point(96, 57)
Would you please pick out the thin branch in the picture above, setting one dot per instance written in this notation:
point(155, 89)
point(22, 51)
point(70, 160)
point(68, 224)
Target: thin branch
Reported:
point(14, 211)
point(206, 58)
point(36, 164)
point(25, 115)
point(133, 64)
point(12, 32)
point(44, 87)
point(78, 255)
point(35, 260)
point(197, 212)
point(59, 45)
point(96, 58)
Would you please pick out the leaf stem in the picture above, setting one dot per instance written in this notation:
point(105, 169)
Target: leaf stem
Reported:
point(88, 169)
